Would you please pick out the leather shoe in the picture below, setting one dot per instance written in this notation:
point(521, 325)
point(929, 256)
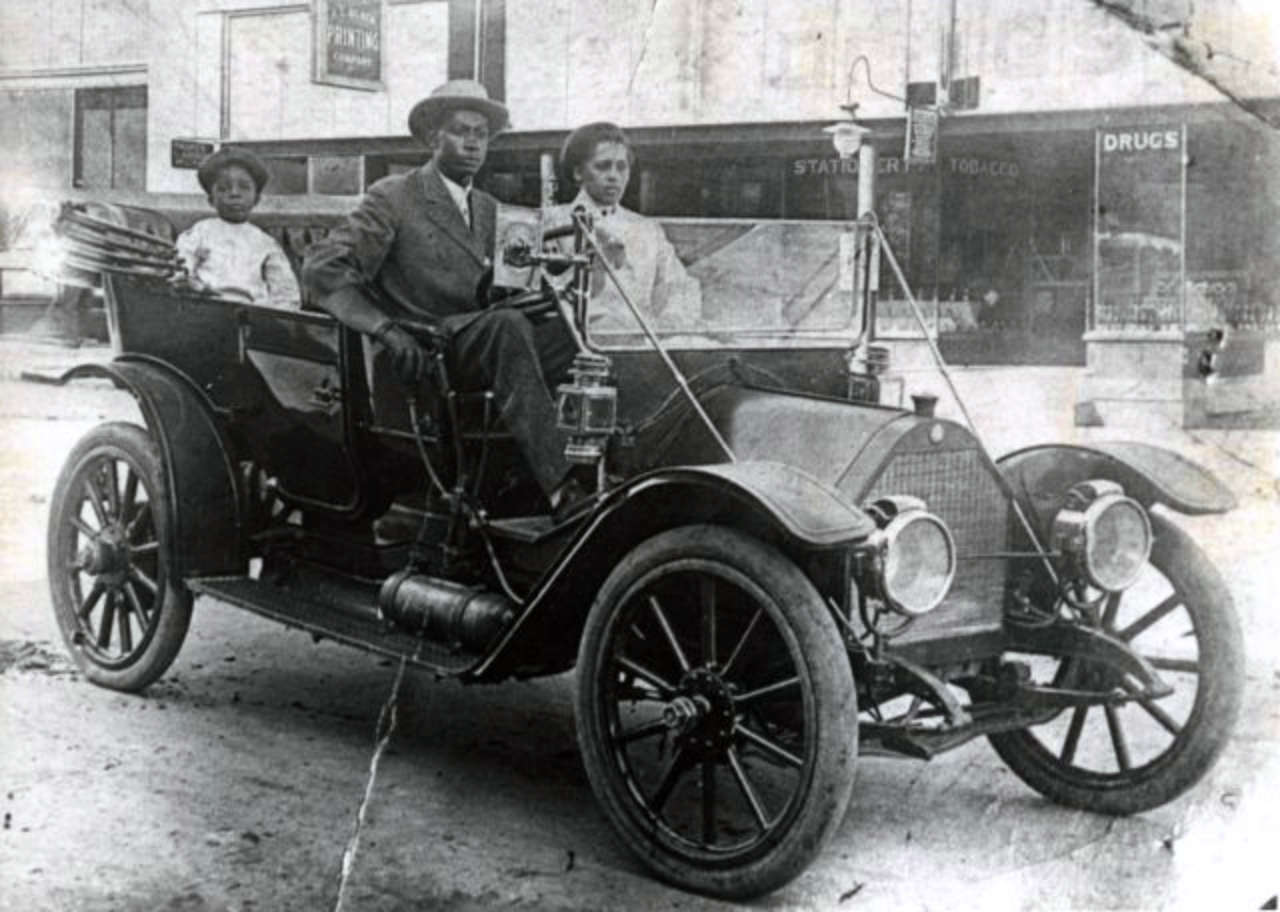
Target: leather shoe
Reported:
point(568, 500)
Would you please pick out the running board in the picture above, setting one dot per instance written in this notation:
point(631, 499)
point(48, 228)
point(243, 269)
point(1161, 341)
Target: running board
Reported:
point(331, 607)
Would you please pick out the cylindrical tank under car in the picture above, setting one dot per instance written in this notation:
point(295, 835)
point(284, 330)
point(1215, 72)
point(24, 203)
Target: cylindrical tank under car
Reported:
point(445, 611)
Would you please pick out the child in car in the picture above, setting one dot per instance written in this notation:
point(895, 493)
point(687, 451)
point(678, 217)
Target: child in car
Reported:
point(227, 255)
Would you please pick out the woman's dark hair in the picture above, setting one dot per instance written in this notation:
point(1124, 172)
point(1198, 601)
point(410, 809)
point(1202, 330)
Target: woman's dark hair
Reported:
point(582, 142)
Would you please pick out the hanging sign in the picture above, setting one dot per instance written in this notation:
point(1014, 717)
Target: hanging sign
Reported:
point(922, 136)
point(189, 153)
point(347, 43)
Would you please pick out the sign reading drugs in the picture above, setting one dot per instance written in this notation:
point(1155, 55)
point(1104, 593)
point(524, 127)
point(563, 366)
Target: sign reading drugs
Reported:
point(1139, 227)
point(347, 43)
point(1141, 140)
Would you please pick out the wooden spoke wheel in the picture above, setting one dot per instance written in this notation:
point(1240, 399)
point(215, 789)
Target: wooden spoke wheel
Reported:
point(1121, 759)
point(120, 610)
point(716, 711)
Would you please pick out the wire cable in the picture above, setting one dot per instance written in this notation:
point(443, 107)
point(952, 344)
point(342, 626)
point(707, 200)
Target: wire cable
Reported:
point(866, 62)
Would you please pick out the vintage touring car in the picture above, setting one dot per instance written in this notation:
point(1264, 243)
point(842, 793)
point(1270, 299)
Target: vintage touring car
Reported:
point(775, 576)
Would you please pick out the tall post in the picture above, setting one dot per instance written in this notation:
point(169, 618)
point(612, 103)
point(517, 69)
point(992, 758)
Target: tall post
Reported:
point(477, 41)
point(868, 278)
point(547, 172)
point(866, 178)
point(547, 197)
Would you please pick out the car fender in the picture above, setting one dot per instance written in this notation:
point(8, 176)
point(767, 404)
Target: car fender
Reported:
point(204, 505)
point(811, 512)
point(773, 501)
point(1042, 475)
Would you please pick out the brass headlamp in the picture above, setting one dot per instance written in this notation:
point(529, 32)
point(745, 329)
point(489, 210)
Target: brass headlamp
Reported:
point(1103, 536)
point(916, 555)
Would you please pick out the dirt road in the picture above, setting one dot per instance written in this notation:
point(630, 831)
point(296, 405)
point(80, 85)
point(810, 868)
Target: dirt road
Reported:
point(234, 782)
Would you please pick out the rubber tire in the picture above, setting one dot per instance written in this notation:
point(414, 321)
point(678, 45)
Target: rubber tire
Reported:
point(132, 444)
point(825, 796)
point(1208, 726)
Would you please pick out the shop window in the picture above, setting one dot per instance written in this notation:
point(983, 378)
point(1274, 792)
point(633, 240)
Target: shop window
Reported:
point(519, 188)
point(337, 175)
point(288, 175)
point(740, 189)
point(111, 138)
point(668, 190)
point(720, 188)
point(376, 167)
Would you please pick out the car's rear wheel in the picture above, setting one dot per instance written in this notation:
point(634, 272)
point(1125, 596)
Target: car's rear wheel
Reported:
point(1144, 753)
point(121, 612)
point(716, 711)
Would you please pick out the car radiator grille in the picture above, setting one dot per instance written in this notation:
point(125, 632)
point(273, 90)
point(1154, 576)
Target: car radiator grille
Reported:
point(957, 486)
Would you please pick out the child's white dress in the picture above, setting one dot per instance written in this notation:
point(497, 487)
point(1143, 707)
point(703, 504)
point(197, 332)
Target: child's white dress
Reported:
point(238, 259)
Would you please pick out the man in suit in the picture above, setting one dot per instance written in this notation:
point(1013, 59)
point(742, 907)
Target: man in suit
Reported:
point(418, 246)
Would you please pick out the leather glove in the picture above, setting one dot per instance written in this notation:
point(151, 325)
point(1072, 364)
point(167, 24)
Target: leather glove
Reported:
point(408, 358)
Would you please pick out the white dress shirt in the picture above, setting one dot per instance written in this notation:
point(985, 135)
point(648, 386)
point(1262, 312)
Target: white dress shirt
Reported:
point(461, 196)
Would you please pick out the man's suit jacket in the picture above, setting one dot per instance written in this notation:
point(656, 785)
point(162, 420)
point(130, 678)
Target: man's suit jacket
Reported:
point(407, 247)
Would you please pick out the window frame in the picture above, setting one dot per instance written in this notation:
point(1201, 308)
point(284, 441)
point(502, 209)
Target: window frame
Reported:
point(110, 99)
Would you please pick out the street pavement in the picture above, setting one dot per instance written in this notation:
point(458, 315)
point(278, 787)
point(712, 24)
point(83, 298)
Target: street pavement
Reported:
point(233, 783)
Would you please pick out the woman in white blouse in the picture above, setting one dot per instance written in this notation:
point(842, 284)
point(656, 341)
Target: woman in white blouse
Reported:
point(598, 157)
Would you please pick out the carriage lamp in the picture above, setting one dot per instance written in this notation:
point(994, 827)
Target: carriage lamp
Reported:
point(1102, 535)
point(917, 555)
point(587, 408)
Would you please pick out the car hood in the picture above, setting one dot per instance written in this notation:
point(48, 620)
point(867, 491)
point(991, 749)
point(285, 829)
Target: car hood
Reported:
point(834, 441)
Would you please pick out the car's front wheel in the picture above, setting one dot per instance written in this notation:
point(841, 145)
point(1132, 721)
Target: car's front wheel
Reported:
point(1139, 755)
point(716, 711)
point(121, 612)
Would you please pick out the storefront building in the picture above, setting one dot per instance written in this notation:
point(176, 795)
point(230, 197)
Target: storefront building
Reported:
point(1007, 208)
point(998, 236)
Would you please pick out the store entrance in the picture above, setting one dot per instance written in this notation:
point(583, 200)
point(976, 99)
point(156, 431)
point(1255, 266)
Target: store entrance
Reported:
point(1013, 263)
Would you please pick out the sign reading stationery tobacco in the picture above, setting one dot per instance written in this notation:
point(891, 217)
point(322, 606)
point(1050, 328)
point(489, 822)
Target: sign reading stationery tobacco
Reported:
point(347, 49)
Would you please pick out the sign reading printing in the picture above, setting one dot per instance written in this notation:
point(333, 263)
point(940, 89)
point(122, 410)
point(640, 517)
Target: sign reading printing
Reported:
point(347, 43)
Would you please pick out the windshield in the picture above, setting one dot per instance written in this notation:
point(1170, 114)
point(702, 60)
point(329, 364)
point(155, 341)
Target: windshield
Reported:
point(777, 279)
